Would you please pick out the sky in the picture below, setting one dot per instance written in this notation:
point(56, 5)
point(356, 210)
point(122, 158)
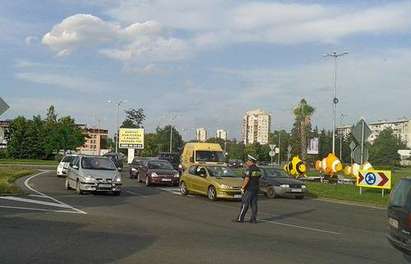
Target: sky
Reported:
point(205, 63)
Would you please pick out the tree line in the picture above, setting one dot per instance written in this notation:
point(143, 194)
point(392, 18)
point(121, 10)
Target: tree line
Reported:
point(42, 138)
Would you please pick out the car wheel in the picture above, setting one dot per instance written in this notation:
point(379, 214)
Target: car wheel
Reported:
point(299, 197)
point(212, 193)
point(78, 189)
point(67, 184)
point(138, 178)
point(183, 188)
point(270, 193)
point(147, 181)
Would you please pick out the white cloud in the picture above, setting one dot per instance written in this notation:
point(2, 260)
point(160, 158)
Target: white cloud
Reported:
point(74, 83)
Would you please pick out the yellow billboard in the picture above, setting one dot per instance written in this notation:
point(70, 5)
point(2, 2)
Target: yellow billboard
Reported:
point(131, 138)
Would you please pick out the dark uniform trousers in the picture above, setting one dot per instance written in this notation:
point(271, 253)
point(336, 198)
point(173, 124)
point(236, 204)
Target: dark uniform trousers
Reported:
point(249, 199)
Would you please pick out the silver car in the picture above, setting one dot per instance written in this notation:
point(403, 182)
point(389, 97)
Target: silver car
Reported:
point(93, 173)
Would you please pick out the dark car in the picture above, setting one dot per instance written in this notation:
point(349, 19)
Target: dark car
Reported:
point(158, 172)
point(234, 163)
point(399, 217)
point(135, 166)
point(275, 182)
point(116, 158)
point(173, 158)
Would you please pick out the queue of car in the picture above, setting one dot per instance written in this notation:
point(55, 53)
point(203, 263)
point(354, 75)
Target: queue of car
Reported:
point(205, 173)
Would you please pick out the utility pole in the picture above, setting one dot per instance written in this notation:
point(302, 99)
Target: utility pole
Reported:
point(279, 147)
point(116, 134)
point(171, 132)
point(335, 55)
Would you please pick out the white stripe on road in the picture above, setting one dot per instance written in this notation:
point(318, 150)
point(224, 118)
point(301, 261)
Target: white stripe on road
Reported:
point(26, 183)
point(300, 227)
point(37, 209)
point(19, 199)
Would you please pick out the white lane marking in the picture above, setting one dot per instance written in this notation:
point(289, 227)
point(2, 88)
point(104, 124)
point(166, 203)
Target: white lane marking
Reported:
point(36, 195)
point(19, 199)
point(37, 209)
point(300, 227)
point(26, 183)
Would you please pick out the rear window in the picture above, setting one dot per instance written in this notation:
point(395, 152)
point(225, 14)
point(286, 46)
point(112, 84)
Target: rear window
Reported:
point(160, 165)
point(400, 194)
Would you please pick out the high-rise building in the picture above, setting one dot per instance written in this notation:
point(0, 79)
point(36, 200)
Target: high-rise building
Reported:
point(401, 128)
point(201, 134)
point(222, 134)
point(4, 126)
point(256, 127)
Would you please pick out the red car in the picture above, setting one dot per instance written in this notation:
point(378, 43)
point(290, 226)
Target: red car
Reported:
point(158, 172)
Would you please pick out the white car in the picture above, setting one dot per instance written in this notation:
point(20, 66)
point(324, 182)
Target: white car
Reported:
point(64, 164)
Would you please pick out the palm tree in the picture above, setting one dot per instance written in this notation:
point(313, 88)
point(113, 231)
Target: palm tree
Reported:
point(303, 113)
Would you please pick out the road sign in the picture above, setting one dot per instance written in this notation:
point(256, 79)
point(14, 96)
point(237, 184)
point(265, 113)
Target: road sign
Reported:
point(131, 138)
point(357, 131)
point(3, 106)
point(271, 153)
point(272, 146)
point(374, 179)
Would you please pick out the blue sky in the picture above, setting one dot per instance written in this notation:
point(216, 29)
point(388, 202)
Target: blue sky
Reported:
point(205, 62)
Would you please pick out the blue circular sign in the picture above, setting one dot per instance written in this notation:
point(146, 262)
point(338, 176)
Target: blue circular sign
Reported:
point(370, 178)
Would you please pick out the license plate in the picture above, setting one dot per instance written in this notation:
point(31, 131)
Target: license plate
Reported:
point(296, 190)
point(166, 180)
point(104, 185)
point(393, 222)
point(236, 196)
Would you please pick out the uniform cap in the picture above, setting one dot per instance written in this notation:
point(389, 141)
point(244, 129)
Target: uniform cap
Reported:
point(249, 157)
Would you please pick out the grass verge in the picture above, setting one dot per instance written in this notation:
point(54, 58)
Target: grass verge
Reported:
point(8, 175)
point(28, 162)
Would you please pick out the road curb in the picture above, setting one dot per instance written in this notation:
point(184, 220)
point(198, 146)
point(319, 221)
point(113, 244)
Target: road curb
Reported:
point(351, 203)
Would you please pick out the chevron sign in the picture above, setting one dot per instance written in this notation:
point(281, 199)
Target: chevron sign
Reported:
point(374, 179)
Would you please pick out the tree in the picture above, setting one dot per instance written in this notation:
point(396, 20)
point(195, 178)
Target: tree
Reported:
point(70, 136)
point(384, 151)
point(163, 139)
point(134, 118)
point(302, 126)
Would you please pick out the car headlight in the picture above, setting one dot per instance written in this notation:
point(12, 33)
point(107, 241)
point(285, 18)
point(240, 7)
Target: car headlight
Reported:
point(303, 186)
point(153, 174)
point(224, 186)
point(180, 166)
point(117, 179)
point(285, 186)
point(176, 175)
point(89, 179)
point(133, 169)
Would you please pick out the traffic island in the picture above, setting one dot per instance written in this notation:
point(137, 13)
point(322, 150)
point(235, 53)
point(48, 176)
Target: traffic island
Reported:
point(8, 176)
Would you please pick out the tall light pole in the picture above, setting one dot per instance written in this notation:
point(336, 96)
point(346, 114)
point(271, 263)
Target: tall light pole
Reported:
point(171, 132)
point(335, 55)
point(117, 120)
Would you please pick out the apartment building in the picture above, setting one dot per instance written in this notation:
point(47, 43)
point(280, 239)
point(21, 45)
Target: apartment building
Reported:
point(222, 134)
point(96, 141)
point(201, 134)
point(256, 127)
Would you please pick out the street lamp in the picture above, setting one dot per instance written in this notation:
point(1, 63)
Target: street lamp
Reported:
point(117, 119)
point(335, 55)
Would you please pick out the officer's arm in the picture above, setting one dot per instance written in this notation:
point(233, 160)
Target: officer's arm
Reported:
point(245, 182)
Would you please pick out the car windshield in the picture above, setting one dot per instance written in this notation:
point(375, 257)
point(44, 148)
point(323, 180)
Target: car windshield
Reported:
point(219, 171)
point(160, 165)
point(275, 173)
point(209, 156)
point(400, 194)
point(91, 163)
point(67, 159)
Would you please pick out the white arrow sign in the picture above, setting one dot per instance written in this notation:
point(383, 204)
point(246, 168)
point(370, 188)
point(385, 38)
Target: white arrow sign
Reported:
point(272, 146)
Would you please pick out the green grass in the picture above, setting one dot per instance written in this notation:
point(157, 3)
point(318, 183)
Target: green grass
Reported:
point(8, 175)
point(351, 192)
point(28, 162)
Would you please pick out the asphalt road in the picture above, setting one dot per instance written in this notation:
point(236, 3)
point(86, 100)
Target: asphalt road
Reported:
point(157, 225)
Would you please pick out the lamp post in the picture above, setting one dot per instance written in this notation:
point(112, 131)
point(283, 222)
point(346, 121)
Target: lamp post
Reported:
point(171, 132)
point(117, 120)
point(335, 55)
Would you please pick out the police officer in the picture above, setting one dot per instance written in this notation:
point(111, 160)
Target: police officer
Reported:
point(250, 189)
